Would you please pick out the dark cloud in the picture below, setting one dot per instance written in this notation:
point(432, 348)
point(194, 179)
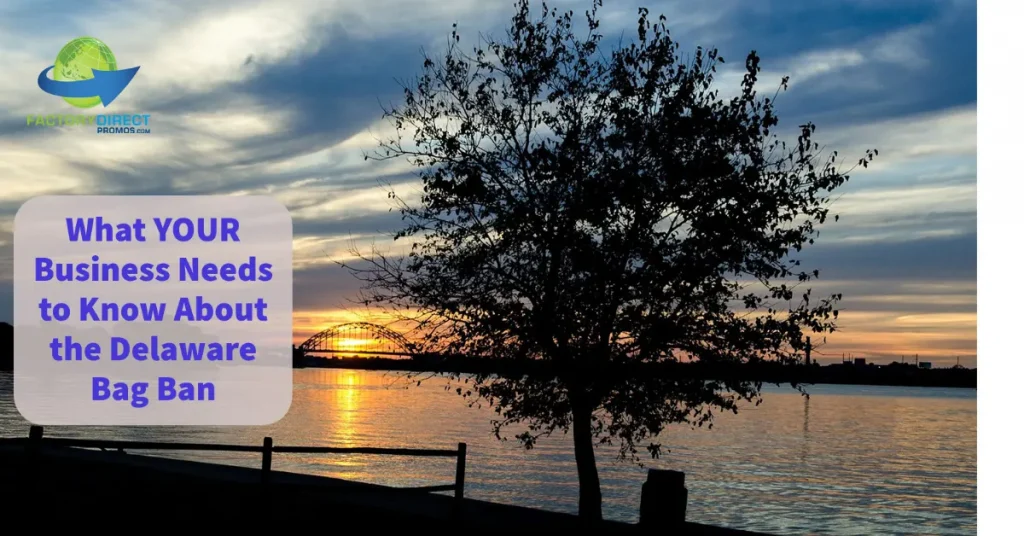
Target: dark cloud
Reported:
point(13, 128)
point(924, 270)
point(383, 223)
point(900, 227)
point(785, 27)
point(923, 175)
point(943, 33)
point(879, 90)
point(326, 97)
point(336, 91)
point(925, 259)
point(862, 272)
point(894, 295)
point(326, 287)
point(329, 95)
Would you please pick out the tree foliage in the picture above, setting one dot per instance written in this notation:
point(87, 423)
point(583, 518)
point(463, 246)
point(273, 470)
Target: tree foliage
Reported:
point(602, 211)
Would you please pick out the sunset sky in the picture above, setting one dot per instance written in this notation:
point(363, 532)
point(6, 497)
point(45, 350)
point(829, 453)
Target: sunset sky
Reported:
point(281, 97)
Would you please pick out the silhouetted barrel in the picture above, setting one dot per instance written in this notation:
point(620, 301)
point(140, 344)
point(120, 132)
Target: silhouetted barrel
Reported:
point(663, 499)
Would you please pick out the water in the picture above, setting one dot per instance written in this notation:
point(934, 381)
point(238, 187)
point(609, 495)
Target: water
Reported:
point(850, 460)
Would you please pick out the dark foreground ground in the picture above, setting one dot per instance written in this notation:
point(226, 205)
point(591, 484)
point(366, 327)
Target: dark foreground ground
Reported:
point(128, 493)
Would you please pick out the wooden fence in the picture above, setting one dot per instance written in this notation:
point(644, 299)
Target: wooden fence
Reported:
point(36, 440)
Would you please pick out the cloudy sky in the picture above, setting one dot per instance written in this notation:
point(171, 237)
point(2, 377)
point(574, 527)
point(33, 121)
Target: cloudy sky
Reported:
point(281, 97)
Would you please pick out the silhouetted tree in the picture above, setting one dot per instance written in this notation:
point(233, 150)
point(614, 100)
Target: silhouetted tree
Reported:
point(600, 213)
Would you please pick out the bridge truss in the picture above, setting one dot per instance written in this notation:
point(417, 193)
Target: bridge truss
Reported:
point(359, 338)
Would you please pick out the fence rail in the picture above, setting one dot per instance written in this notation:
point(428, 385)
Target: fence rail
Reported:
point(35, 440)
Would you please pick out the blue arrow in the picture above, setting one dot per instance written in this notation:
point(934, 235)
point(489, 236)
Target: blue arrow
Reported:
point(106, 85)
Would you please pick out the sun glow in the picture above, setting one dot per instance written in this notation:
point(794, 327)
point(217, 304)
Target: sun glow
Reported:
point(351, 344)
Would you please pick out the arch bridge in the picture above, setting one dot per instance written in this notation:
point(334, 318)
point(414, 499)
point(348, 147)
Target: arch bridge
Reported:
point(359, 338)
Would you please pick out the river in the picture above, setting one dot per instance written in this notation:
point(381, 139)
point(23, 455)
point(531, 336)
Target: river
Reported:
point(848, 460)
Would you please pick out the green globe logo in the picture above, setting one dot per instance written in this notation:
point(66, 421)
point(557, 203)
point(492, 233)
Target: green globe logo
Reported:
point(77, 60)
point(86, 74)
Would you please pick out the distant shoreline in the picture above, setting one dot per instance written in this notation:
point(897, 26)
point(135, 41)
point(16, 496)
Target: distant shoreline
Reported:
point(826, 381)
point(893, 375)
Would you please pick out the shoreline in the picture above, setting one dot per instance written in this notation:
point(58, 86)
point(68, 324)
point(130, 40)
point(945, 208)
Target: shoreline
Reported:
point(370, 364)
point(848, 374)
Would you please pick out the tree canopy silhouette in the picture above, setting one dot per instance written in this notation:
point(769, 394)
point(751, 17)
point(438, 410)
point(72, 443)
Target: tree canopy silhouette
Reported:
point(599, 212)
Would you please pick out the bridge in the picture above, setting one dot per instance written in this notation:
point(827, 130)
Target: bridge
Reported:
point(359, 339)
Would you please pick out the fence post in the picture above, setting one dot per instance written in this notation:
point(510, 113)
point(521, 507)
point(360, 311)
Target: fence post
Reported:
point(663, 500)
point(35, 443)
point(460, 481)
point(460, 473)
point(268, 451)
point(28, 471)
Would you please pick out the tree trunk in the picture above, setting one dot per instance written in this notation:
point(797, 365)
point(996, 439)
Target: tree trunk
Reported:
point(586, 466)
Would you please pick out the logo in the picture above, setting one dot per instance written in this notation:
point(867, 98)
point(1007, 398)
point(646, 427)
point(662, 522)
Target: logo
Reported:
point(85, 74)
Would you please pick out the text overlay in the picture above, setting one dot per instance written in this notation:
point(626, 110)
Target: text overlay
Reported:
point(153, 310)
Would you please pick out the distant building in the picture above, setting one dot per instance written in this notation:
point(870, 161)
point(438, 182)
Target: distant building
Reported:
point(860, 361)
point(925, 364)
